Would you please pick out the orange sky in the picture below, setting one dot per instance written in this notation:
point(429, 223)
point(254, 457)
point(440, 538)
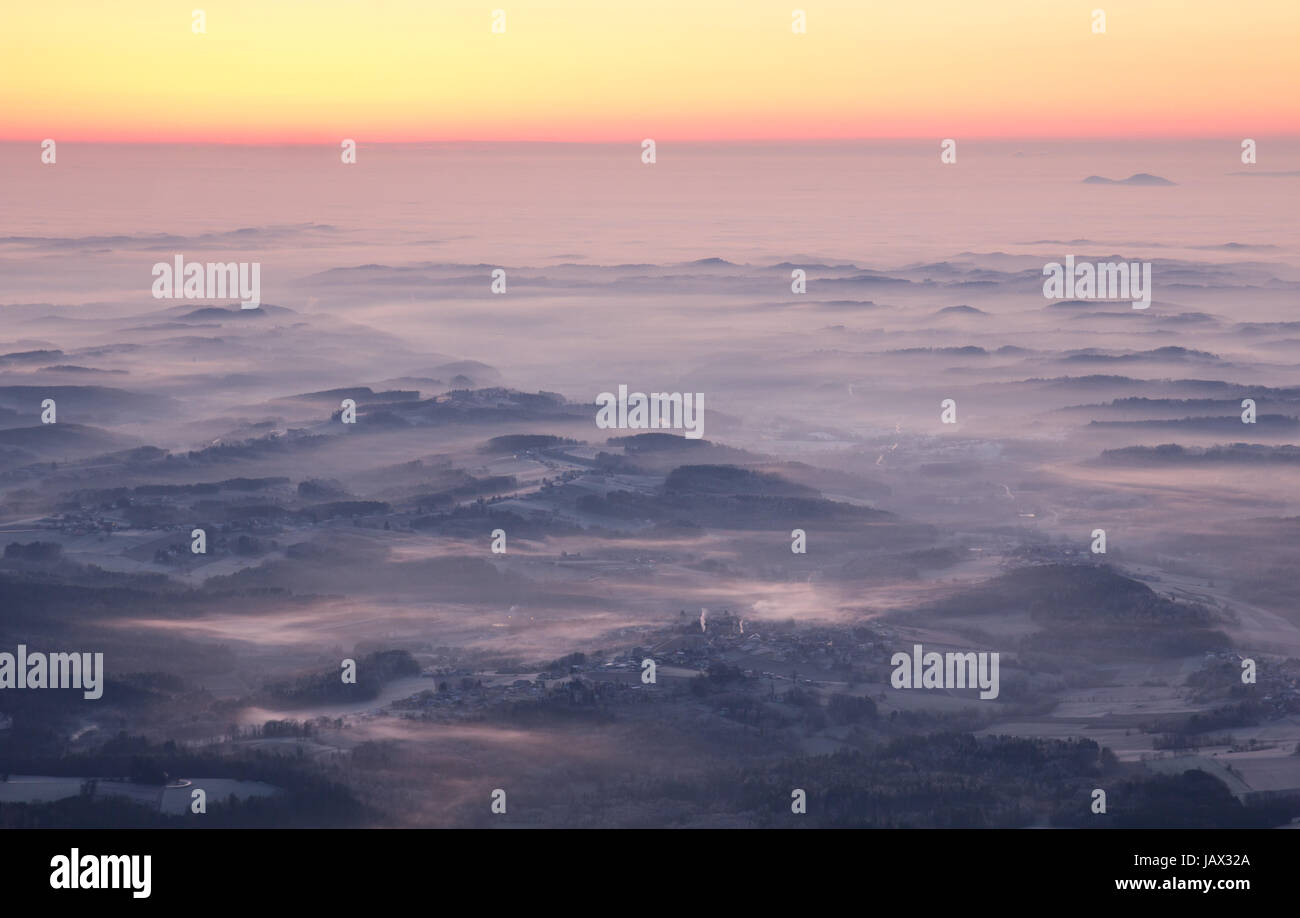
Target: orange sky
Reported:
point(618, 70)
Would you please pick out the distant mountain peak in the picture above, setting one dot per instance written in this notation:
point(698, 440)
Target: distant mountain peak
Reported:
point(1139, 178)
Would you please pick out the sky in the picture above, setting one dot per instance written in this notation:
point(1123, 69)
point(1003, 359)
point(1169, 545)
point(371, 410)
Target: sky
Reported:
point(313, 71)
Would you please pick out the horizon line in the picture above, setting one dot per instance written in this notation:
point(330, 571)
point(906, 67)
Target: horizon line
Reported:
point(695, 141)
